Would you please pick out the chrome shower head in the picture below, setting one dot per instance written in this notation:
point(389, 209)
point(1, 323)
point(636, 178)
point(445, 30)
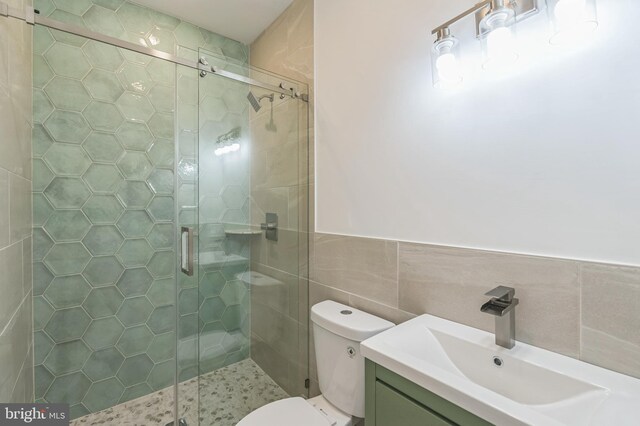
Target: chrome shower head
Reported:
point(255, 102)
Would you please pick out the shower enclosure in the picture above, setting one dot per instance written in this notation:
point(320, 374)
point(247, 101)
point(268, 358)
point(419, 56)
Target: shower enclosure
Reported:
point(170, 212)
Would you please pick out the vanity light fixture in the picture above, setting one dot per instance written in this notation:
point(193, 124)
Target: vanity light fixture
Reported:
point(496, 22)
point(571, 20)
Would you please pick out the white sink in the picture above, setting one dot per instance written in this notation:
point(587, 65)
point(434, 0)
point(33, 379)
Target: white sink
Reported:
point(531, 386)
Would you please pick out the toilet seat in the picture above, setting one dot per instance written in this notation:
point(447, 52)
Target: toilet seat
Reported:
point(288, 412)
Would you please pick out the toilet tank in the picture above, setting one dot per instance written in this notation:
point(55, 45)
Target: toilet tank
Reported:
point(338, 330)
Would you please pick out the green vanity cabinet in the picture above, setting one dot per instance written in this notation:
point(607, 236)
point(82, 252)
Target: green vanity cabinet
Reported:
point(392, 400)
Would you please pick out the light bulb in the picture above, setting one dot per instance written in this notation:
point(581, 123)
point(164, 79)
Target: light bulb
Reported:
point(501, 52)
point(573, 20)
point(447, 66)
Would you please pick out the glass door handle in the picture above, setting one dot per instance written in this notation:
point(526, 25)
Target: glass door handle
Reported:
point(186, 250)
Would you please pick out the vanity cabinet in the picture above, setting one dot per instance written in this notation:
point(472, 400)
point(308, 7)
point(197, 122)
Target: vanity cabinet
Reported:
point(392, 400)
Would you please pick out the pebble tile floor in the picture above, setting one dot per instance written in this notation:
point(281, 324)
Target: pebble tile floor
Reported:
point(226, 396)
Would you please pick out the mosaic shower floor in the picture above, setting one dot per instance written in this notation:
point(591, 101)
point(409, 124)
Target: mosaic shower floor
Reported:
point(226, 396)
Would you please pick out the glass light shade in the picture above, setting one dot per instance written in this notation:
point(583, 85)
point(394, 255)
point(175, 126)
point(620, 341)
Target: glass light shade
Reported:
point(572, 20)
point(445, 62)
point(499, 48)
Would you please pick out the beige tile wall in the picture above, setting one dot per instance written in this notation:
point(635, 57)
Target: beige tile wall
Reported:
point(584, 310)
point(279, 178)
point(16, 324)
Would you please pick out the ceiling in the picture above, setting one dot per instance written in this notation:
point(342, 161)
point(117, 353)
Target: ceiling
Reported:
point(242, 20)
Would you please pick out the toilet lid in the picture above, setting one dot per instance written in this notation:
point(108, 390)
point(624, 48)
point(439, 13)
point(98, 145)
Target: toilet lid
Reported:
point(286, 412)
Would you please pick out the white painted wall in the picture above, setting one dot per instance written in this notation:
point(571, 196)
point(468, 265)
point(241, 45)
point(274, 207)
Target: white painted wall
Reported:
point(545, 160)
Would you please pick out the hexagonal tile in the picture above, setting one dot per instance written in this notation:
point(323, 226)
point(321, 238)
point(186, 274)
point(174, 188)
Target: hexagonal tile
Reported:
point(162, 375)
point(67, 357)
point(135, 165)
point(103, 364)
point(77, 7)
point(135, 78)
point(162, 347)
point(67, 225)
point(42, 176)
point(104, 394)
point(103, 85)
point(162, 319)
point(188, 35)
point(161, 181)
point(103, 56)
point(135, 223)
point(162, 264)
point(103, 271)
point(103, 116)
point(42, 345)
point(136, 19)
point(103, 21)
point(188, 301)
point(134, 311)
point(212, 283)
point(67, 324)
point(162, 98)
point(235, 100)
point(135, 340)
point(41, 106)
point(211, 309)
point(233, 196)
point(69, 389)
point(67, 93)
point(103, 147)
point(67, 160)
point(42, 278)
point(161, 236)
point(103, 302)
point(103, 178)
point(233, 292)
point(135, 136)
point(135, 370)
point(135, 282)
point(103, 333)
point(134, 195)
point(103, 209)
point(135, 107)
point(161, 125)
point(162, 72)
point(67, 193)
point(67, 258)
point(41, 209)
point(42, 243)
point(135, 392)
point(42, 73)
point(67, 126)
point(42, 39)
point(42, 312)
point(161, 39)
point(162, 292)
point(42, 141)
point(67, 61)
point(65, 292)
point(161, 208)
point(103, 240)
point(232, 317)
point(213, 109)
point(43, 379)
point(68, 18)
point(162, 153)
point(135, 253)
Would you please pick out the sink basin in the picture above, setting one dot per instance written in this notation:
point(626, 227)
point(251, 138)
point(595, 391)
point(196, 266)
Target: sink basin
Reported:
point(522, 386)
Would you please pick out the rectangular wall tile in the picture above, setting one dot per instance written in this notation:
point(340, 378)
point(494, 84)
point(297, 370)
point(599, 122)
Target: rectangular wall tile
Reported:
point(611, 317)
point(11, 286)
point(357, 265)
point(451, 282)
point(5, 230)
point(20, 207)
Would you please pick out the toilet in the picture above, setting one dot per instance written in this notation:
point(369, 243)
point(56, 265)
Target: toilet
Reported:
point(338, 330)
